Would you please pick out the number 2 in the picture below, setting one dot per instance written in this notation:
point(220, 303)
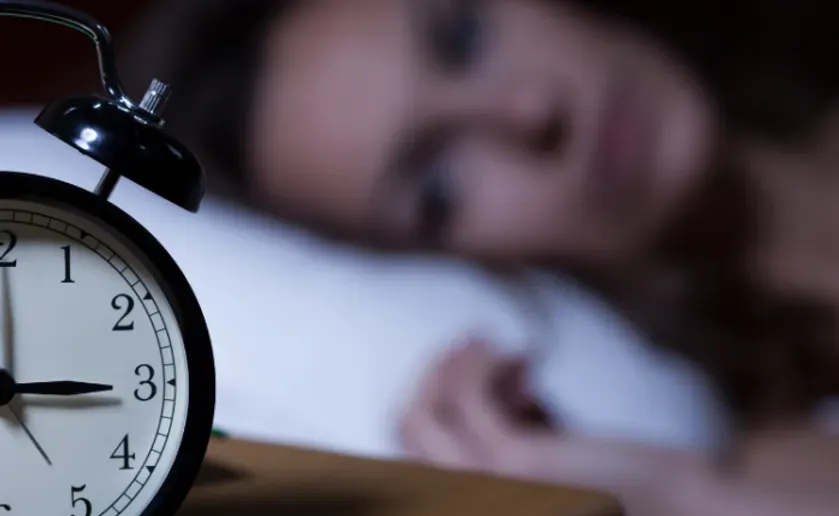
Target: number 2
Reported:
point(128, 307)
point(7, 508)
point(10, 245)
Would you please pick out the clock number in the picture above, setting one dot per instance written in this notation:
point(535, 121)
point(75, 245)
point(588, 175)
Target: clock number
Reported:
point(7, 508)
point(81, 500)
point(127, 307)
point(123, 453)
point(10, 245)
point(147, 371)
point(67, 277)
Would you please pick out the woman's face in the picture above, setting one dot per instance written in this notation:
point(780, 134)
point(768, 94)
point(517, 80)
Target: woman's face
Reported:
point(505, 129)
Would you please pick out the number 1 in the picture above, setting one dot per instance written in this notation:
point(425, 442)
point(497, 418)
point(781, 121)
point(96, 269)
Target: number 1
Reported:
point(67, 277)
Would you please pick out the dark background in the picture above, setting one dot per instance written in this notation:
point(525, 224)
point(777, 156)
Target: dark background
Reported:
point(42, 61)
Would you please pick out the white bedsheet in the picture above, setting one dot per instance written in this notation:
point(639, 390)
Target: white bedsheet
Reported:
point(319, 345)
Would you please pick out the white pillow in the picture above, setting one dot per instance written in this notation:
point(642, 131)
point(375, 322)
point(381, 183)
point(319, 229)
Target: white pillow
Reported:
point(601, 377)
point(320, 345)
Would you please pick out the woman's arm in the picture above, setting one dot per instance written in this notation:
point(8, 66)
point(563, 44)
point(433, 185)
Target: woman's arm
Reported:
point(744, 499)
point(653, 481)
point(790, 468)
point(457, 421)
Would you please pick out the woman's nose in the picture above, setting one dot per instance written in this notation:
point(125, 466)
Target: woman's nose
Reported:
point(524, 105)
point(529, 110)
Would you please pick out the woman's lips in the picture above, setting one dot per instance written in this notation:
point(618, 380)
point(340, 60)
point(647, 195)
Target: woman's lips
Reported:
point(622, 143)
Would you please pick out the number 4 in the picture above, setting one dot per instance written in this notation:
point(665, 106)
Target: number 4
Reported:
point(123, 453)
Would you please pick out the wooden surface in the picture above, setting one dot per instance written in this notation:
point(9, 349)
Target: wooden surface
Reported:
point(251, 479)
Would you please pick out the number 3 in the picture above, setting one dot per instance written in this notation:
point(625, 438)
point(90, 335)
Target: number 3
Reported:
point(147, 382)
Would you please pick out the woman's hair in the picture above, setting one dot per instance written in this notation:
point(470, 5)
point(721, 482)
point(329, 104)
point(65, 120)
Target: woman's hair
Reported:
point(209, 52)
point(768, 65)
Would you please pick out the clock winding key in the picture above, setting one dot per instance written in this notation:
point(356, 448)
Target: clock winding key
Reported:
point(155, 98)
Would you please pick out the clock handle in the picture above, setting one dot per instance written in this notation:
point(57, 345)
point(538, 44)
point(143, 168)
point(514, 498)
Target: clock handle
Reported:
point(98, 33)
point(126, 137)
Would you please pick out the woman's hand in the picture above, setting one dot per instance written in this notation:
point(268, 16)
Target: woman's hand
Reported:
point(471, 413)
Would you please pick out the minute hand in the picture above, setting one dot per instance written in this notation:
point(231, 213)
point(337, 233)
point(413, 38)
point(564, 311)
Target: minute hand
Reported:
point(61, 388)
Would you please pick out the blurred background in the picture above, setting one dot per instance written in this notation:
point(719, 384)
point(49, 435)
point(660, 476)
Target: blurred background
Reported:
point(318, 373)
point(39, 62)
point(413, 306)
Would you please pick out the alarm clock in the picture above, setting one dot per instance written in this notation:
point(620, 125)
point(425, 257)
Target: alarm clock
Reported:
point(107, 383)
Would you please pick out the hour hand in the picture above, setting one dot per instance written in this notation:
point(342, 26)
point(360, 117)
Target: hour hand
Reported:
point(9, 388)
point(61, 388)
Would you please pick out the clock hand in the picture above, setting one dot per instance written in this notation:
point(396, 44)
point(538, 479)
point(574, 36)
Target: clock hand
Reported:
point(31, 437)
point(9, 388)
point(7, 335)
point(5, 331)
point(8, 323)
point(61, 388)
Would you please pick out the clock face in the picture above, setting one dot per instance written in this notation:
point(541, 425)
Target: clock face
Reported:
point(77, 304)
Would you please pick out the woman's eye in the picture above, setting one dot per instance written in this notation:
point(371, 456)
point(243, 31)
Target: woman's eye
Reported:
point(437, 200)
point(458, 34)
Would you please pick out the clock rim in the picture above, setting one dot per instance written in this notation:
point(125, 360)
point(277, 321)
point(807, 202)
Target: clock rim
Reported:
point(24, 186)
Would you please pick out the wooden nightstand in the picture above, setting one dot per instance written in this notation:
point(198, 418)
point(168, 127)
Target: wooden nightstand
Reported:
point(257, 479)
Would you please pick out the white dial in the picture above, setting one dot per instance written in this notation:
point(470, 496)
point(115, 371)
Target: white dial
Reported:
point(78, 305)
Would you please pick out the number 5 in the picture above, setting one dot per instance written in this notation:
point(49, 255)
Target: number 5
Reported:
point(88, 507)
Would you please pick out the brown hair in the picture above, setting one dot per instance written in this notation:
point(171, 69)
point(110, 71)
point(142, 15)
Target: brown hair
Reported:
point(208, 51)
point(768, 64)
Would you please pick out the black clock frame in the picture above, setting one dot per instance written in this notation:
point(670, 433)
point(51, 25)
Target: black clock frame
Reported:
point(180, 296)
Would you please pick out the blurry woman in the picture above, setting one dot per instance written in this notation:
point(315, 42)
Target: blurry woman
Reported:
point(677, 157)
